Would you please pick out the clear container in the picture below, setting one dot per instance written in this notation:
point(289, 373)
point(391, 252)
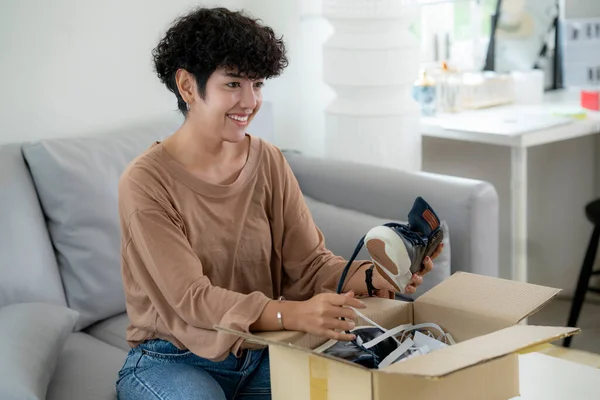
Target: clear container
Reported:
point(425, 93)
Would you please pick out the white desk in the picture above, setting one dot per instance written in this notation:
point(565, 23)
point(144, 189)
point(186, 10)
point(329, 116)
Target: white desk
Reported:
point(518, 127)
point(542, 377)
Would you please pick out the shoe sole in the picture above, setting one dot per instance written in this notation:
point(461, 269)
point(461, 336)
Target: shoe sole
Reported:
point(378, 240)
point(435, 242)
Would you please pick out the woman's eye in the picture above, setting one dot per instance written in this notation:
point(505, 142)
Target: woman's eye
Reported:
point(233, 84)
point(259, 85)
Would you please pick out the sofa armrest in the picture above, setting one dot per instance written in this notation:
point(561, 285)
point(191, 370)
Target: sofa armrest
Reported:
point(470, 207)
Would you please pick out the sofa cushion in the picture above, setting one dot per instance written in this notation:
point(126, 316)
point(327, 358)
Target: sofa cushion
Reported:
point(87, 369)
point(112, 331)
point(343, 228)
point(28, 269)
point(77, 182)
point(32, 336)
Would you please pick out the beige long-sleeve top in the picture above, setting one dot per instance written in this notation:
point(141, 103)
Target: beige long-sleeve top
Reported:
point(196, 254)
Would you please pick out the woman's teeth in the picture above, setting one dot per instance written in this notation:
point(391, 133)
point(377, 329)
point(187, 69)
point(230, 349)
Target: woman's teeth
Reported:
point(241, 119)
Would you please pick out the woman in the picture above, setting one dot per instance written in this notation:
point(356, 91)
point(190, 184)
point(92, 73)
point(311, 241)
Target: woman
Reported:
point(215, 228)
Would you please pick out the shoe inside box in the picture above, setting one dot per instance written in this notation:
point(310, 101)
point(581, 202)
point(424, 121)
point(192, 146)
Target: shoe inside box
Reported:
point(383, 316)
point(377, 347)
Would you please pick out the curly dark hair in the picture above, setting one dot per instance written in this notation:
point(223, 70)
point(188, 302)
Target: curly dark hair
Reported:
point(210, 38)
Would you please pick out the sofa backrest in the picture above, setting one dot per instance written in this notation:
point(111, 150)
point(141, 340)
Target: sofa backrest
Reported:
point(28, 270)
point(77, 183)
point(469, 206)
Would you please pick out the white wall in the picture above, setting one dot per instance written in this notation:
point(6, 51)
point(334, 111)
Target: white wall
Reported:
point(71, 67)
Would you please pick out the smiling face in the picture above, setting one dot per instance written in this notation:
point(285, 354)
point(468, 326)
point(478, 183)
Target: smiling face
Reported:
point(193, 53)
point(229, 104)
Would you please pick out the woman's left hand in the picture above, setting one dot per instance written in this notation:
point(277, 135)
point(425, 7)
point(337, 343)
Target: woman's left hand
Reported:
point(387, 291)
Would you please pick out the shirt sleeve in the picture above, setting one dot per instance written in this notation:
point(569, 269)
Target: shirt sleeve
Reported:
point(162, 262)
point(310, 268)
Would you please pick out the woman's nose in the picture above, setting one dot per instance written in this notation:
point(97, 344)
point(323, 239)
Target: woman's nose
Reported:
point(248, 100)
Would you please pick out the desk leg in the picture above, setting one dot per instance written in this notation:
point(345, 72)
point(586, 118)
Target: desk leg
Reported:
point(519, 213)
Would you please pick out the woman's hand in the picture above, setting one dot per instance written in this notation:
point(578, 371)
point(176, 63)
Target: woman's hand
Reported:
point(321, 315)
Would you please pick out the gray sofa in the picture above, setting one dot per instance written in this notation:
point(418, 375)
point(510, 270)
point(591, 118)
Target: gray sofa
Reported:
point(62, 310)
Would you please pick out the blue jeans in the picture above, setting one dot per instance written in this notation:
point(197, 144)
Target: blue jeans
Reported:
point(158, 370)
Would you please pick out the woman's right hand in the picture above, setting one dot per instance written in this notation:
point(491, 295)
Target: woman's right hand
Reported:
point(321, 315)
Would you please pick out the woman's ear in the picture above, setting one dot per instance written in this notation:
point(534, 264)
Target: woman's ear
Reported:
point(186, 84)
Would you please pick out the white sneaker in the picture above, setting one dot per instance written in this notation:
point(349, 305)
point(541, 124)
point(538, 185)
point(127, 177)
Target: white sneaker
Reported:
point(398, 250)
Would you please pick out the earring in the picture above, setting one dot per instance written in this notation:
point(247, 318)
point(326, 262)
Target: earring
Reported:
point(187, 106)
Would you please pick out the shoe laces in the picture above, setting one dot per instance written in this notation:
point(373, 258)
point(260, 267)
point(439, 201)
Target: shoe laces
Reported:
point(404, 230)
point(359, 246)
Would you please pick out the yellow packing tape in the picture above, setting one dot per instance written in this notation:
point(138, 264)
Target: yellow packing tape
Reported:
point(319, 376)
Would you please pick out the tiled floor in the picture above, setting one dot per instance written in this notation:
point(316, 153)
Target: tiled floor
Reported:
point(556, 314)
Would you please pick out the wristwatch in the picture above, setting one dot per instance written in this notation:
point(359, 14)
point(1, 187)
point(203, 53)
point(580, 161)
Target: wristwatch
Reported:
point(369, 281)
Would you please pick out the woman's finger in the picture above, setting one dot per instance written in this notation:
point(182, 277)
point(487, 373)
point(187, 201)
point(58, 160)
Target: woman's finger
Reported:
point(416, 280)
point(345, 300)
point(338, 324)
point(410, 289)
point(331, 334)
point(427, 266)
point(342, 312)
point(437, 251)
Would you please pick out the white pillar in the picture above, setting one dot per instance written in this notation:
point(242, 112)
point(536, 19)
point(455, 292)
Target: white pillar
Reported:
point(371, 61)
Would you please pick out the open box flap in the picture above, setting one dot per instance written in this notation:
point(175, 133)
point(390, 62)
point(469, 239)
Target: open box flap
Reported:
point(479, 350)
point(385, 312)
point(489, 297)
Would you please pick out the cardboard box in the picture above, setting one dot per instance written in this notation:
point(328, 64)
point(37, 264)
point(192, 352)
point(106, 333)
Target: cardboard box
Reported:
point(482, 313)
